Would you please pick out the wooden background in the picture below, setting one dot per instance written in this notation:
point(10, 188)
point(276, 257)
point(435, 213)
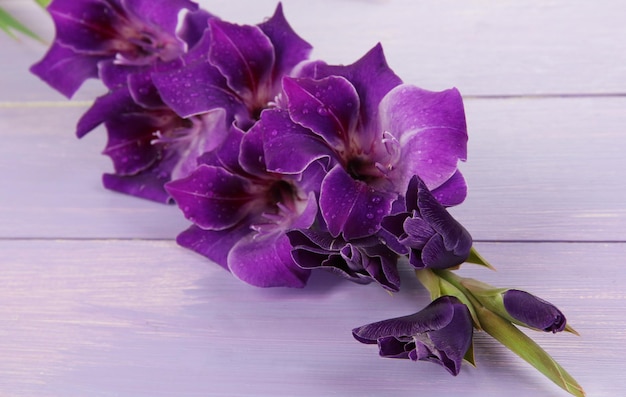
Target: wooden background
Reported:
point(96, 299)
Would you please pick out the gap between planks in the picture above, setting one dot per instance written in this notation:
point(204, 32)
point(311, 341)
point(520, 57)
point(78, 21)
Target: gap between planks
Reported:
point(71, 104)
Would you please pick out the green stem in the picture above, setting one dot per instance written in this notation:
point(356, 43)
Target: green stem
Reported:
point(515, 340)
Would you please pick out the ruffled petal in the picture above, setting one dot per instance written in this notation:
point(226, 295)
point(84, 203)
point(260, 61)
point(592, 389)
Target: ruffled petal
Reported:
point(161, 13)
point(85, 26)
point(204, 89)
point(265, 261)
point(352, 207)
point(129, 143)
point(147, 184)
point(329, 107)
point(107, 107)
point(213, 244)
point(452, 192)
point(65, 70)
point(289, 148)
point(430, 127)
point(372, 78)
point(211, 197)
point(243, 54)
point(289, 48)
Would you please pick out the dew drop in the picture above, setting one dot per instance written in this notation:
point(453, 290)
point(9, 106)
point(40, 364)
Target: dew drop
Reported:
point(369, 215)
point(322, 111)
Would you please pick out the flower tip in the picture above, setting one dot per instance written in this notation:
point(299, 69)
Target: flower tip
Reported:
point(571, 330)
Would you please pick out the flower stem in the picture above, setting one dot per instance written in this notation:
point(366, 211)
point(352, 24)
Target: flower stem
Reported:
point(503, 330)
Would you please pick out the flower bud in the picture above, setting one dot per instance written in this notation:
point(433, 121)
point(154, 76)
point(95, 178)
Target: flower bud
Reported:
point(532, 311)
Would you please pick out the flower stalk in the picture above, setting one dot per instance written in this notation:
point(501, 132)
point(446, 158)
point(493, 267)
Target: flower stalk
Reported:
point(491, 319)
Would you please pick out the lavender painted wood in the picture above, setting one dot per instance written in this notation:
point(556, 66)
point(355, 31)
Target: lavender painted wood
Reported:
point(92, 307)
point(545, 169)
point(504, 48)
point(140, 318)
point(53, 186)
point(538, 169)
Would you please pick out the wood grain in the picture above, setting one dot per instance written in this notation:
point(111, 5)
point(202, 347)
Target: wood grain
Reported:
point(142, 318)
point(97, 300)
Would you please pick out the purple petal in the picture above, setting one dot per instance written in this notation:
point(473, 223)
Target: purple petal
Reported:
point(106, 107)
point(86, 25)
point(227, 155)
point(456, 238)
point(452, 192)
point(143, 91)
point(352, 207)
point(197, 88)
point(440, 333)
point(162, 13)
point(213, 244)
point(243, 54)
point(435, 316)
point(212, 197)
point(289, 48)
point(435, 255)
point(129, 143)
point(454, 340)
point(360, 261)
point(533, 311)
point(430, 127)
point(372, 78)
point(418, 232)
point(288, 147)
point(265, 261)
point(329, 107)
point(207, 133)
point(194, 26)
point(147, 184)
point(252, 156)
point(65, 70)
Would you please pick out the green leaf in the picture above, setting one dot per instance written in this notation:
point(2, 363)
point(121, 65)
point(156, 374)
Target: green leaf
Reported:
point(10, 24)
point(43, 3)
point(520, 344)
point(477, 259)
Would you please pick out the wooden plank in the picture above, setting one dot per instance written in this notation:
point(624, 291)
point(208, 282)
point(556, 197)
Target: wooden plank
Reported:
point(503, 48)
point(538, 169)
point(545, 169)
point(141, 318)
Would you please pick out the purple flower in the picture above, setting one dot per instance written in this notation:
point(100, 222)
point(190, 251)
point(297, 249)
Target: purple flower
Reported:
point(432, 237)
point(361, 261)
point(149, 146)
point(375, 133)
point(532, 311)
point(130, 32)
point(241, 70)
point(440, 333)
point(241, 212)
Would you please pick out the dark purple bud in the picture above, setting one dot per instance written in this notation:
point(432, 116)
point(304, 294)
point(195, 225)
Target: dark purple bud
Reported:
point(433, 237)
point(440, 333)
point(533, 311)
